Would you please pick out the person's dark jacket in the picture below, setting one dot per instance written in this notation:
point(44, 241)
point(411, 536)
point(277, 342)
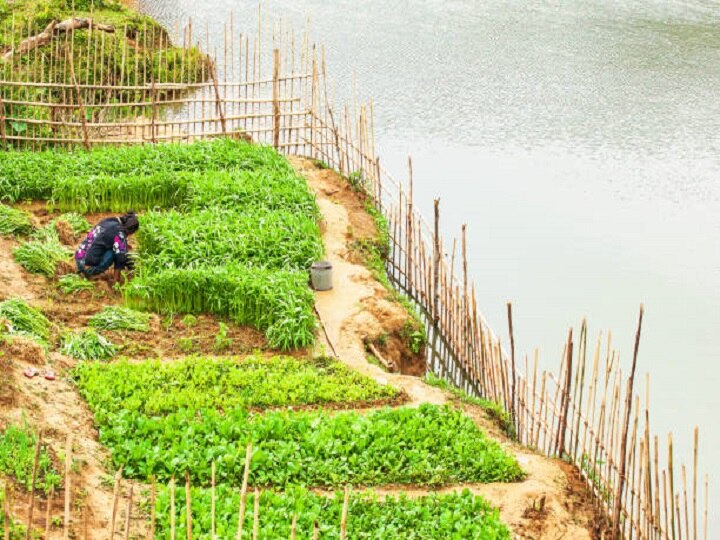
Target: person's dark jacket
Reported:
point(106, 235)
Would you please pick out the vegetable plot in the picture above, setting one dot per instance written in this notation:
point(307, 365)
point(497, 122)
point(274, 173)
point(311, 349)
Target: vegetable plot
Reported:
point(277, 302)
point(457, 516)
point(429, 445)
point(156, 388)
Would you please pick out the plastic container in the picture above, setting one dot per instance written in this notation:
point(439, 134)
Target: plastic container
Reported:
point(321, 276)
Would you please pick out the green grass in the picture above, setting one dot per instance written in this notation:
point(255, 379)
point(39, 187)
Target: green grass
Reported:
point(494, 409)
point(25, 320)
point(14, 222)
point(457, 516)
point(428, 445)
point(120, 318)
point(276, 302)
point(157, 388)
point(17, 456)
point(87, 345)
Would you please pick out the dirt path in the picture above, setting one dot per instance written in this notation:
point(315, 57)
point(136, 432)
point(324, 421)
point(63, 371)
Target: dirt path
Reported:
point(55, 408)
point(343, 310)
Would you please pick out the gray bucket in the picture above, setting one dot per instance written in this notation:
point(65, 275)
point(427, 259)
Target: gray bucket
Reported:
point(321, 276)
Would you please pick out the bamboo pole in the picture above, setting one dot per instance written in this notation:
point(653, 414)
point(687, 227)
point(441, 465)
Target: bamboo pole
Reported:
point(48, 512)
point(188, 506)
point(6, 512)
point(343, 520)
point(153, 495)
point(129, 513)
point(276, 97)
point(68, 487)
point(36, 462)
point(513, 410)
point(694, 487)
point(256, 514)
point(116, 496)
point(243, 491)
point(615, 520)
point(172, 508)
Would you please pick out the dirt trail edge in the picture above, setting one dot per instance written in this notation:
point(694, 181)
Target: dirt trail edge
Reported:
point(549, 503)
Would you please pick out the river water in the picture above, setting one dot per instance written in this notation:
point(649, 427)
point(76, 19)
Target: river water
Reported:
point(580, 142)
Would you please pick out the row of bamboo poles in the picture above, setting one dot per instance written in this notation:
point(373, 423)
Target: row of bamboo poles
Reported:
point(37, 513)
point(588, 412)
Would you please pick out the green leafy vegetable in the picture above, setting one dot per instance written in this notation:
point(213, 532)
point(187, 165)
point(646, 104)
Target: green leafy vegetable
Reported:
point(120, 318)
point(14, 222)
point(25, 320)
point(87, 345)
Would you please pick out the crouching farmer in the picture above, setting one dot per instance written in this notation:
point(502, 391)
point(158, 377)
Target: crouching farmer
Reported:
point(106, 245)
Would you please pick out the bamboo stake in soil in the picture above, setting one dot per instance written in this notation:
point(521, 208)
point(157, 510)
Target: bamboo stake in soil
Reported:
point(172, 508)
point(32, 487)
point(212, 501)
point(256, 514)
point(617, 502)
point(48, 512)
point(68, 487)
point(343, 521)
point(243, 492)
point(188, 506)
point(6, 512)
point(152, 509)
point(116, 496)
point(513, 411)
point(129, 513)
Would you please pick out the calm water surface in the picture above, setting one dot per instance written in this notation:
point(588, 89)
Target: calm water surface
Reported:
point(580, 141)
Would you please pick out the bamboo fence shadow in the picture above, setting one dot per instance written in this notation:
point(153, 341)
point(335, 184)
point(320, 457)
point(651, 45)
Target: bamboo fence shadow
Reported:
point(273, 89)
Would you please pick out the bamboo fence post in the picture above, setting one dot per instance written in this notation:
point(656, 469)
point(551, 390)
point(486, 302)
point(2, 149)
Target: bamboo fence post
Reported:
point(343, 520)
point(78, 96)
point(172, 508)
point(243, 491)
point(256, 514)
point(513, 411)
point(293, 526)
point(6, 512)
point(152, 508)
point(276, 97)
point(48, 512)
point(68, 487)
point(32, 486)
point(116, 495)
point(188, 506)
point(316, 530)
point(212, 501)
point(565, 398)
point(3, 135)
point(617, 502)
point(694, 488)
point(218, 103)
point(129, 513)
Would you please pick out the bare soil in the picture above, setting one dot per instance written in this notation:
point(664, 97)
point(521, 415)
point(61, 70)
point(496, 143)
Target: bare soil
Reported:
point(550, 503)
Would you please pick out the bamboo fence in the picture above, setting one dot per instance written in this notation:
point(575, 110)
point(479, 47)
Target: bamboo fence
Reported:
point(273, 89)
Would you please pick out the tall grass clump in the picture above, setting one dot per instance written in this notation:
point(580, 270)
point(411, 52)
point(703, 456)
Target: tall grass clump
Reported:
point(267, 239)
point(25, 320)
point(14, 222)
point(277, 302)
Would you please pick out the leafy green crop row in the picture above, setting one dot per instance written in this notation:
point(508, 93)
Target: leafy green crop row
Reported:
point(428, 445)
point(275, 239)
point(155, 387)
point(32, 175)
point(456, 516)
point(278, 302)
point(17, 456)
point(236, 189)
